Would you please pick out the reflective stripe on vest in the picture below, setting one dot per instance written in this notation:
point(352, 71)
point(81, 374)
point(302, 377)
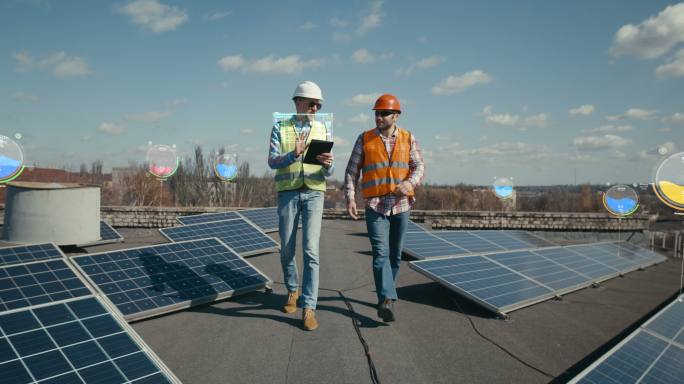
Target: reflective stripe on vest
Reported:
point(298, 174)
point(382, 173)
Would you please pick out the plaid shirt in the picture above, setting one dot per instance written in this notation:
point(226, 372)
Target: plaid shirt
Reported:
point(387, 204)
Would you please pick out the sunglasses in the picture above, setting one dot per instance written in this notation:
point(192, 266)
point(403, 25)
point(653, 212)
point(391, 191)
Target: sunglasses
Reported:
point(384, 113)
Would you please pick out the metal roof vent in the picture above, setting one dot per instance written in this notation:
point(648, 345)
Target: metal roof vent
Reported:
point(63, 213)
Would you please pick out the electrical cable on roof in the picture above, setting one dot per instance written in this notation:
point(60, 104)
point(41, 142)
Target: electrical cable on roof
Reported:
point(509, 353)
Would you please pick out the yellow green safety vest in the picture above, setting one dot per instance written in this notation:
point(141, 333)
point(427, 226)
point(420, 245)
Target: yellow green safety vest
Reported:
point(298, 174)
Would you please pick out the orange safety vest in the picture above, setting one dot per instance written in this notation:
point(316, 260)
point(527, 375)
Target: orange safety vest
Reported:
point(382, 174)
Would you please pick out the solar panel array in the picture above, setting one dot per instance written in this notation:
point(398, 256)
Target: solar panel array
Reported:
point(26, 253)
point(107, 235)
point(241, 236)
point(207, 217)
point(654, 353)
point(38, 282)
point(147, 281)
point(76, 341)
point(423, 244)
point(505, 281)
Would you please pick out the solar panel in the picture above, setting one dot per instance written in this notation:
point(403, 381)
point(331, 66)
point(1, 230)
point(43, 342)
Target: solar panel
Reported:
point(74, 342)
point(414, 227)
point(107, 235)
point(424, 245)
point(147, 281)
point(207, 217)
point(651, 354)
point(38, 282)
point(241, 236)
point(26, 253)
point(469, 241)
point(505, 281)
point(264, 218)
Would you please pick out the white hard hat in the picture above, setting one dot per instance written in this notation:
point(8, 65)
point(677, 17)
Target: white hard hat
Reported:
point(308, 89)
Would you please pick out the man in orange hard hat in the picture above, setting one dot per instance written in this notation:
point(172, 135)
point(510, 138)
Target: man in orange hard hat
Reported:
point(389, 163)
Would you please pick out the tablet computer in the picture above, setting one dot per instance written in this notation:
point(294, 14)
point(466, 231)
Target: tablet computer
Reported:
point(316, 147)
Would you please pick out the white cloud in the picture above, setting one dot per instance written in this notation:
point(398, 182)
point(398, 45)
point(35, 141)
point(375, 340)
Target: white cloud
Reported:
point(217, 15)
point(665, 130)
point(111, 128)
point(441, 137)
point(634, 113)
point(584, 110)
point(503, 149)
point(361, 118)
point(24, 62)
point(23, 96)
point(370, 20)
point(673, 68)
point(307, 26)
point(675, 118)
point(340, 142)
point(364, 56)
point(247, 131)
point(154, 16)
point(596, 143)
point(362, 100)
point(657, 152)
point(457, 84)
point(653, 36)
point(71, 67)
point(521, 122)
point(425, 63)
point(610, 128)
point(148, 117)
point(291, 64)
point(176, 103)
point(338, 23)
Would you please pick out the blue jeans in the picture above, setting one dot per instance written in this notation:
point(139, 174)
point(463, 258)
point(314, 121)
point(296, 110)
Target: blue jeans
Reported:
point(308, 204)
point(386, 235)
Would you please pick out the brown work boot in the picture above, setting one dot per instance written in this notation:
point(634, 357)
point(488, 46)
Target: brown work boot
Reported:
point(291, 304)
point(309, 318)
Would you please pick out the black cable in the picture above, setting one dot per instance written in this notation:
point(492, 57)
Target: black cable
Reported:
point(509, 353)
point(371, 366)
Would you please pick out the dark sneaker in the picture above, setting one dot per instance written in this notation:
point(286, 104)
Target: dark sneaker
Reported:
point(386, 310)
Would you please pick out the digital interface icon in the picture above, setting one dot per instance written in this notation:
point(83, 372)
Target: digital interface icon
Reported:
point(11, 159)
point(162, 161)
point(503, 187)
point(621, 200)
point(225, 166)
point(669, 181)
point(323, 119)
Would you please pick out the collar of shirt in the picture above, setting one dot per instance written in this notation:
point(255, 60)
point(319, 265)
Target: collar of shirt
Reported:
point(393, 134)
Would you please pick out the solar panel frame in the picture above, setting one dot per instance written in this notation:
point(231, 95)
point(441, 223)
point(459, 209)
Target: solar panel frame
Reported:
point(415, 227)
point(634, 345)
point(127, 290)
point(255, 216)
point(9, 254)
point(173, 233)
point(207, 217)
point(103, 330)
point(44, 281)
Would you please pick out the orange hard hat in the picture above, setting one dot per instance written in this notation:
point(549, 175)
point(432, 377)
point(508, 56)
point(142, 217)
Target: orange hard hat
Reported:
point(387, 102)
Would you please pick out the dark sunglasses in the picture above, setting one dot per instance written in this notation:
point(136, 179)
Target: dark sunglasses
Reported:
point(384, 113)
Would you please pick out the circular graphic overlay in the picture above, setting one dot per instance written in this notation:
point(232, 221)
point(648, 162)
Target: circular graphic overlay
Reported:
point(669, 181)
point(621, 200)
point(503, 187)
point(225, 167)
point(162, 161)
point(11, 159)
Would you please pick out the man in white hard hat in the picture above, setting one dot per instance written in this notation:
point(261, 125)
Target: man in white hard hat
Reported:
point(301, 189)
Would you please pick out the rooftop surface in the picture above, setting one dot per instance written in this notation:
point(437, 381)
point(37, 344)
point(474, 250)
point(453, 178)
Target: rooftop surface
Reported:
point(439, 336)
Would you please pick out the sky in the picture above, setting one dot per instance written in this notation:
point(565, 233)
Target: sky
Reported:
point(535, 91)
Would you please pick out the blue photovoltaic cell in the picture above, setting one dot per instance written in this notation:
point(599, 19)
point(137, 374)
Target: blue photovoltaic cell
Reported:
point(414, 227)
point(540, 269)
point(422, 245)
point(578, 263)
point(264, 218)
point(605, 254)
point(504, 239)
point(468, 241)
point(107, 233)
point(651, 354)
point(207, 217)
point(72, 342)
point(38, 283)
point(146, 281)
point(26, 253)
point(243, 237)
point(483, 279)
